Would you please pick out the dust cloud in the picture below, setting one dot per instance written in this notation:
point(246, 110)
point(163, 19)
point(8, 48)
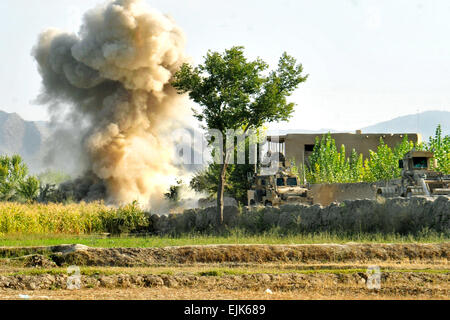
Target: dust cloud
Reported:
point(110, 86)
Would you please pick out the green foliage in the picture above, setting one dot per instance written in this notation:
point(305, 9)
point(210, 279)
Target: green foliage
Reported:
point(441, 147)
point(237, 182)
point(12, 173)
point(328, 165)
point(174, 192)
point(232, 236)
point(125, 219)
point(49, 182)
point(207, 180)
point(235, 93)
point(383, 165)
point(325, 161)
point(29, 188)
point(357, 170)
point(236, 185)
point(49, 193)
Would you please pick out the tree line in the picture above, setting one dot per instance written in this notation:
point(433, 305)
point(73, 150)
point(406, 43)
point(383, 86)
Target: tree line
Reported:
point(17, 185)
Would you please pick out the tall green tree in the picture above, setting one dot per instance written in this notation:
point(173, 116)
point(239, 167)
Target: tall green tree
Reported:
point(29, 188)
point(382, 165)
point(440, 146)
point(12, 172)
point(327, 164)
point(234, 93)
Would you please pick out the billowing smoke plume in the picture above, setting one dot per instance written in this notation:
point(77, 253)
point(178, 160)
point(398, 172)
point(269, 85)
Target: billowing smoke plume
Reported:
point(115, 77)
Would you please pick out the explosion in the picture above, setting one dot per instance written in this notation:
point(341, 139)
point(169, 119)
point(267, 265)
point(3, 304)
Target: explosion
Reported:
point(114, 76)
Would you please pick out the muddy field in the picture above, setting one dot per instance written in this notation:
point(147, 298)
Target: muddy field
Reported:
point(408, 271)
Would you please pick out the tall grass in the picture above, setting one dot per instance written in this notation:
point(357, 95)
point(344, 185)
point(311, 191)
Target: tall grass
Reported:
point(235, 237)
point(74, 219)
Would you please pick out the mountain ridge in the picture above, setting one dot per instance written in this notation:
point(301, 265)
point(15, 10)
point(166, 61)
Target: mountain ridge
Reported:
point(18, 136)
point(424, 123)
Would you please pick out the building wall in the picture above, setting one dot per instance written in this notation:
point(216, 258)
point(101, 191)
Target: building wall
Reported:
point(326, 194)
point(362, 143)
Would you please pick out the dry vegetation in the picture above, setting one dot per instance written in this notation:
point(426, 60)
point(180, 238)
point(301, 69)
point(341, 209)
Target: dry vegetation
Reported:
point(81, 218)
point(315, 286)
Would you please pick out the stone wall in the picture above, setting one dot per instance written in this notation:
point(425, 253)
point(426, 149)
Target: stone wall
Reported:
point(326, 194)
point(396, 215)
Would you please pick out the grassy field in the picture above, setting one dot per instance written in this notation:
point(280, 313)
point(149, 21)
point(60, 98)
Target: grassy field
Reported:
point(234, 238)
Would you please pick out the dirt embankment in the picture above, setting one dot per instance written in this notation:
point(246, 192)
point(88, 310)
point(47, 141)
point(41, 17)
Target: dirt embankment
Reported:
point(138, 257)
point(408, 283)
point(42, 271)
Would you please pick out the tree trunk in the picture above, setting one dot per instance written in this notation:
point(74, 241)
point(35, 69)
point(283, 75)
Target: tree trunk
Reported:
point(220, 192)
point(222, 180)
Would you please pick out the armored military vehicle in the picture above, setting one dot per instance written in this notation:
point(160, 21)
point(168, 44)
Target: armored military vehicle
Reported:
point(275, 190)
point(417, 178)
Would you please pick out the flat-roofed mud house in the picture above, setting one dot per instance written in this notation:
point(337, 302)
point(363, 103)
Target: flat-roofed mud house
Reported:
point(299, 147)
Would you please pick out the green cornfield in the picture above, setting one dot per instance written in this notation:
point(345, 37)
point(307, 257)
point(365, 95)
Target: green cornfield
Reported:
point(79, 218)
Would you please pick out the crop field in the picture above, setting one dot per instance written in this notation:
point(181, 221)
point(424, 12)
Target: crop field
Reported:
point(28, 219)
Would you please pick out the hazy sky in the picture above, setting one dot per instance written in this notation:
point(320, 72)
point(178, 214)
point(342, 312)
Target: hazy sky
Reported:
point(368, 60)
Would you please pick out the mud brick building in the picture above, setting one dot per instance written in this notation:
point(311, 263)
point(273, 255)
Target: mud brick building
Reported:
point(300, 146)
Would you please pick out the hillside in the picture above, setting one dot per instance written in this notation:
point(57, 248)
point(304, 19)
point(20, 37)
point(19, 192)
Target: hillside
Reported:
point(18, 136)
point(424, 123)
